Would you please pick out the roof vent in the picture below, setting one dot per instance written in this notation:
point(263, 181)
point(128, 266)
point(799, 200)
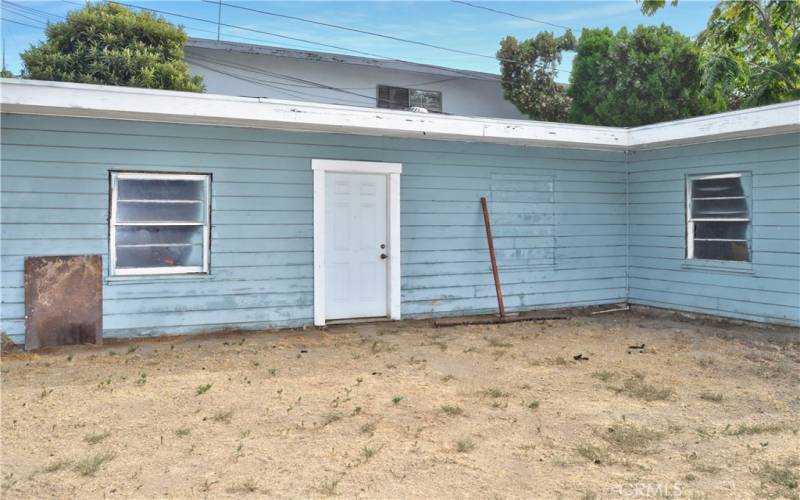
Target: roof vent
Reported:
point(417, 109)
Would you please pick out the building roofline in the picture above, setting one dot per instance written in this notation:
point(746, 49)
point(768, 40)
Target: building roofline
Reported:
point(128, 103)
point(330, 57)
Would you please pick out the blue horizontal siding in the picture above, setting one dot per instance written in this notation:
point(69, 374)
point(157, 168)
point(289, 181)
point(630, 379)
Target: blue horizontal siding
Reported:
point(659, 273)
point(55, 201)
point(580, 228)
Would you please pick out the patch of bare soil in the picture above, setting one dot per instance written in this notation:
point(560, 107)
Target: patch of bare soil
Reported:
point(663, 407)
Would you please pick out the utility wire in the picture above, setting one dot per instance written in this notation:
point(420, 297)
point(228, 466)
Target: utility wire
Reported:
point(372, 33)
point(365, 32)
point(24, 15)
point(311, 83)
point(467, 74)
point(32, 10)
point(284, 76)
point(22, 24)
point(498, 11)
point(292, 93)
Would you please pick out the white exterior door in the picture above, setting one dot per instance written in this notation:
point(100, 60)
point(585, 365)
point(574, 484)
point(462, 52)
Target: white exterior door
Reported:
point(356, 246)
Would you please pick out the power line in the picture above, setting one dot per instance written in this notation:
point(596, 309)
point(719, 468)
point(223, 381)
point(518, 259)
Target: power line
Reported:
point(381, 35)
point(33, 11)
point(24, 14)
point(22, 24)
point(467, 74)
point(498, 11)
point(371, 33)
point(261, 71)
point(292, 93)
point(312, 84)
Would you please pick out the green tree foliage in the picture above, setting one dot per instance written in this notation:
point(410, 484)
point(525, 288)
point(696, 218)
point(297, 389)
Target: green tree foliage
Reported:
point(649, 75)
point(529, 70)
point(751, 51)
point(108, 44)
point(650, 7)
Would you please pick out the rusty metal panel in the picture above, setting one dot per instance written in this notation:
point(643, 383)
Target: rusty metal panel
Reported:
point(63, 300)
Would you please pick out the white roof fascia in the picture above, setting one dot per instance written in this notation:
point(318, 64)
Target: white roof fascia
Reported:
point(103, 101)
point(128, 103)
point(752, 122)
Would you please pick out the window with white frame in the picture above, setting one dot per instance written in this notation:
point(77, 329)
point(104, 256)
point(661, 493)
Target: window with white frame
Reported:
point(159, 223)
point(718, 217)
point(403, 98)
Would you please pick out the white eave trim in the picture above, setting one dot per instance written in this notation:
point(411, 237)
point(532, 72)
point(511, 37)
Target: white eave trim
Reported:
point(127, 103)
point(753, 122)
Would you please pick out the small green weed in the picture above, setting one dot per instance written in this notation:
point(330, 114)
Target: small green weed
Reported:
point(96, 437)
point(465, 445)
point(330, 418)
point(714, 397)
point(452, 410)
point(91, 464)
point(630, 438)
point(223, 416)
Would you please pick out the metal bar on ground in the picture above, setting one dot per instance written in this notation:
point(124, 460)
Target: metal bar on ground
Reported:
point(493, 258)
point(493, 320)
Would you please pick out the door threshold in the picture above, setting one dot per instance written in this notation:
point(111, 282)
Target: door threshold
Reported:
point(345, 321)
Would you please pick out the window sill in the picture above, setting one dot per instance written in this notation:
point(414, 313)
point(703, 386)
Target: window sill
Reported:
point(158, 278)
point(718, 266)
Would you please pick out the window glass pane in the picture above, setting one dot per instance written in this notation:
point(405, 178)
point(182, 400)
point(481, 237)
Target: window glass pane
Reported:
point(392, 97)
point(714, 188)
point(159, 256)
point(138, 211)
point(723, 208)
point(721, 250)
point(159, 235)
point(428, 99)
point(721, 230)
point(160, 189)
point(155, 246)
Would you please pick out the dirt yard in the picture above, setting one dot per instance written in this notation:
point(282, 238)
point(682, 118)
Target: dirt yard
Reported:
point(406, 410)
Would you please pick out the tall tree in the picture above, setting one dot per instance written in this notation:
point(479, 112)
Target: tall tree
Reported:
point(751, 51)
point(108, 44)
point(627, 79)
point(529, 70)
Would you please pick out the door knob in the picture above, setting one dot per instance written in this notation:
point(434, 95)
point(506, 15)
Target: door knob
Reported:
point(383, 256)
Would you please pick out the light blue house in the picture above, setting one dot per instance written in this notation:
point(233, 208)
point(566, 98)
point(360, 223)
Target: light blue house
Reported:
point(216, 211)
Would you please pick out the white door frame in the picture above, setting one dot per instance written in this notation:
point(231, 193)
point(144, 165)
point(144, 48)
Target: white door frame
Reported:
point(392, 172)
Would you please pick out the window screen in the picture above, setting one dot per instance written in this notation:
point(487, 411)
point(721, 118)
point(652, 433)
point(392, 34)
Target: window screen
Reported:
point(718, 217)
point(403, 98)
point(159, 223)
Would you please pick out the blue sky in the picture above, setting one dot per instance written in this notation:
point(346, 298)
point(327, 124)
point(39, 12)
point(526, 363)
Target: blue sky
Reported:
point(438, 22)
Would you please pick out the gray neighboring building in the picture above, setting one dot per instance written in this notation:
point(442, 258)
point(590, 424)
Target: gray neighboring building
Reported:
point(241, 69)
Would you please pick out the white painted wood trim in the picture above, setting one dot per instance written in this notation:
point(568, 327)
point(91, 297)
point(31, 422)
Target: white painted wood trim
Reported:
point(392, 172)
point(319, 247)
point(127, 103)
point(394, 246)
point(357, 167)
point(113, 224)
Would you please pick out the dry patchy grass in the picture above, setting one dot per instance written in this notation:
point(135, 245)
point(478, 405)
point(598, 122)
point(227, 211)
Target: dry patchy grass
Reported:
point(405, 410)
